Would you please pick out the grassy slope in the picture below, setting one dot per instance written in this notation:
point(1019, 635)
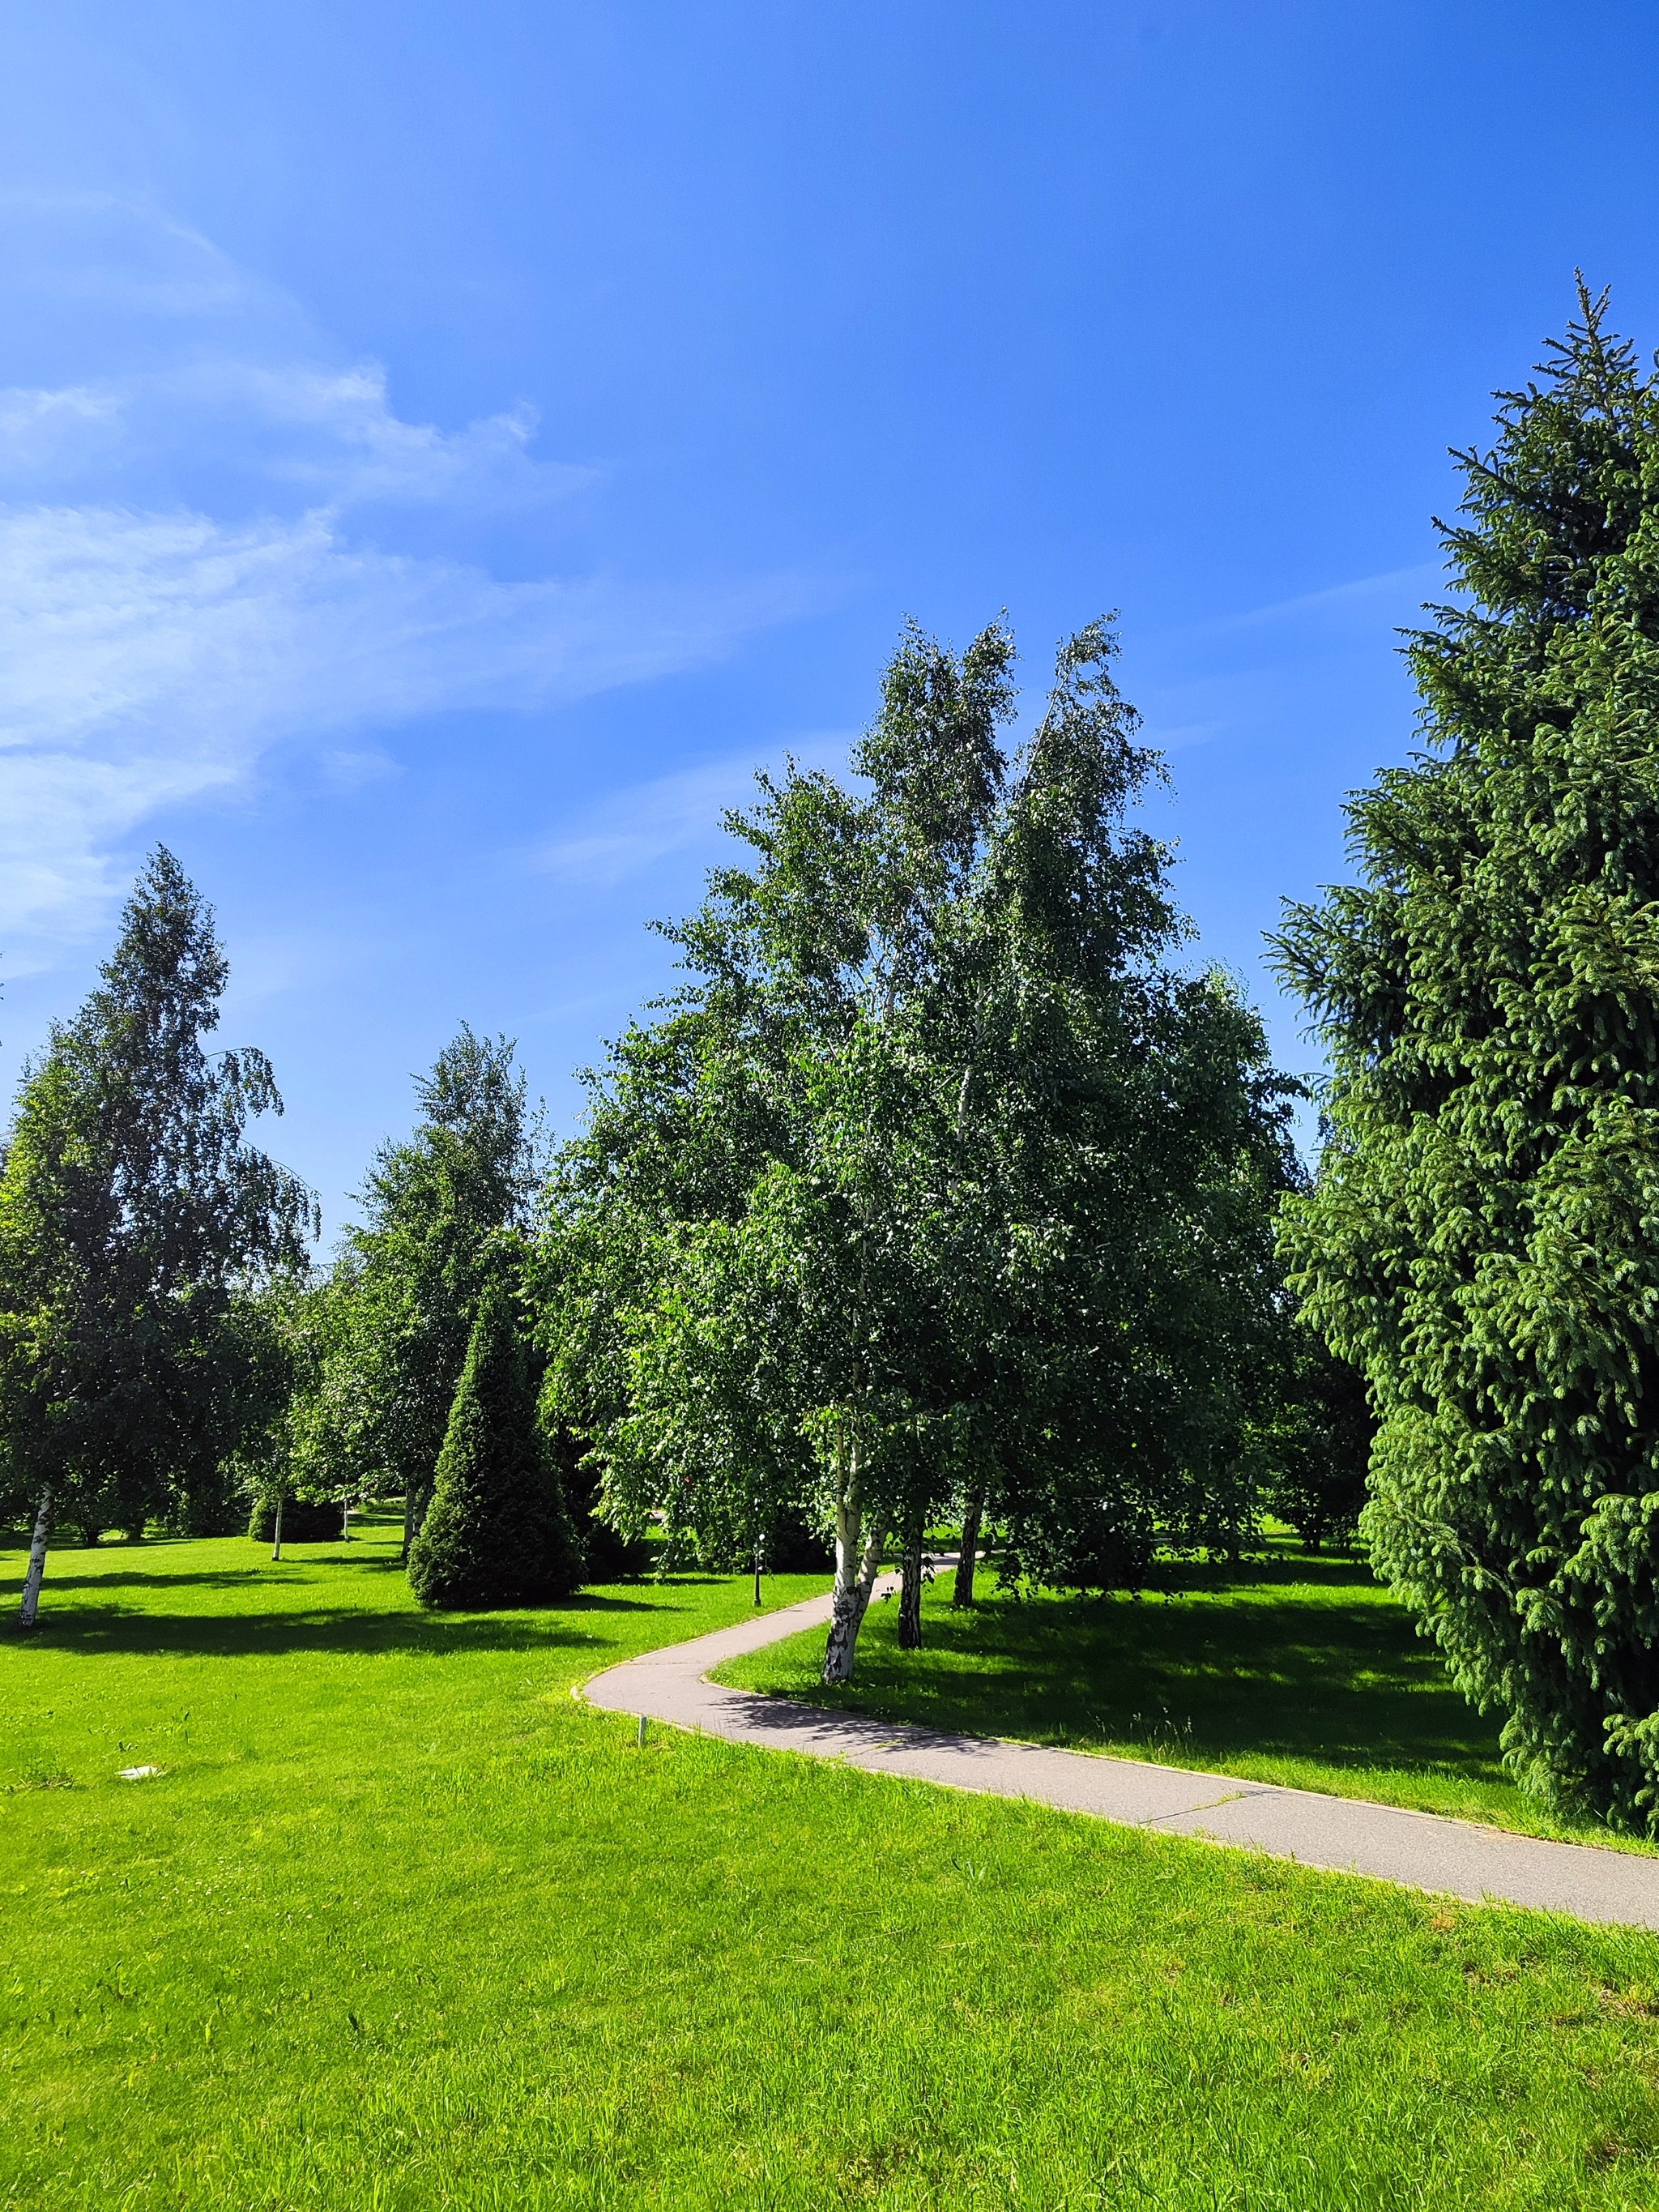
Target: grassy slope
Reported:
point(404, 1926)
point(1298, 1670)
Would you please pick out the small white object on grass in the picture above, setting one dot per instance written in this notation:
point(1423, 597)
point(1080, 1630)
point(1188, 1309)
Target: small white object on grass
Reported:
point(136, 1774)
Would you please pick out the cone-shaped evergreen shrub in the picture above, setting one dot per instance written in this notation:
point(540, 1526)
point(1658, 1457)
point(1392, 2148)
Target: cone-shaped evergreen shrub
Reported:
point(1484, 1236)
point(497, 1531)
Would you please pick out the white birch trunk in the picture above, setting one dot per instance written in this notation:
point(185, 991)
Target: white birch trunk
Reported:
point(855, 1577)
point(277, 1548)
point(37, 1560)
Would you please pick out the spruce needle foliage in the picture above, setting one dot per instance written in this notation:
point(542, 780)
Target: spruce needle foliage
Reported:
point(497, 1531)
point(1483, 1238)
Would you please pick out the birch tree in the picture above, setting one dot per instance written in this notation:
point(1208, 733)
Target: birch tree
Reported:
point(133, 1215)
point(911, 1199)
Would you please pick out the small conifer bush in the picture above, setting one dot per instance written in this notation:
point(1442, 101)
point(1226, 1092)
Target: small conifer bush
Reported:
point(497, 1531)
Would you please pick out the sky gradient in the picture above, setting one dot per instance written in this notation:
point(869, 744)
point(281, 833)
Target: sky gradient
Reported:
point(444, 450)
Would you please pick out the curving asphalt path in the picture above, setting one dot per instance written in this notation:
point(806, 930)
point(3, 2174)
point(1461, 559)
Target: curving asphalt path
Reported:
point(1418, 1850)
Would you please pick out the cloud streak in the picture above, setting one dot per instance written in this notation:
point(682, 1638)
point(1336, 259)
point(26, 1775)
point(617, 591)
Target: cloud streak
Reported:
point(632, 831)
point(154, 647)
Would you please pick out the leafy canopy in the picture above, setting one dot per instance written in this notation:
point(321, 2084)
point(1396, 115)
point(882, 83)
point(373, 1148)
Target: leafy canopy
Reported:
point(135, 1222)
point(934, 1178)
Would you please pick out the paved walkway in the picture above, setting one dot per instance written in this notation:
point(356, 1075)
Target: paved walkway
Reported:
point(1419, 1850)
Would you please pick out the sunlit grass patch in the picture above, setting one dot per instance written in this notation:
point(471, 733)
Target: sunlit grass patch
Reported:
point(404, 1925)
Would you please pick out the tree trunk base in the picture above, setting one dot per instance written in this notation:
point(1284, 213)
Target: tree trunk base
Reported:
point(962, 1592)
point(851, 1603)
point(909, 1616)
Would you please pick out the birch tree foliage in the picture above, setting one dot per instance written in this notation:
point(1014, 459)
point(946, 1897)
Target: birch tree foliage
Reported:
point(1106, 1174)
point(734, 1139)
point(1482, 1236)
point(134, 1215)
point(902, 1202)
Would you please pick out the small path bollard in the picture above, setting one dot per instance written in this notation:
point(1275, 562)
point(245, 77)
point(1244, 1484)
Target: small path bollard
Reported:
point(641, 1731)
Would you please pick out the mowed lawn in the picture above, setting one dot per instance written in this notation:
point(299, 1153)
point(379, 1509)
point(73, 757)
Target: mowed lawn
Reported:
point(1297, 1668)
point(401, 1924)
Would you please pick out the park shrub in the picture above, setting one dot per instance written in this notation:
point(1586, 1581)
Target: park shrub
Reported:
point(1481, 1238)
point(497, 1531)
point(305, 1521)
point(607, 1555)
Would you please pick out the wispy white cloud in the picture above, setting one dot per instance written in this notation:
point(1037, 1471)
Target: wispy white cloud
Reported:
point(630, 831)
point(1359, 598)
point(185, 582)
point(146, 661)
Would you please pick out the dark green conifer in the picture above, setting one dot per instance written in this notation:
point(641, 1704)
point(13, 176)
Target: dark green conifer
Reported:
point(1483, 1236)
point(497, 1531)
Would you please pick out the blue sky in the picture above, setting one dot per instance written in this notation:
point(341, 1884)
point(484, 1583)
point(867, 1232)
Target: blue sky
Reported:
point(444, 450)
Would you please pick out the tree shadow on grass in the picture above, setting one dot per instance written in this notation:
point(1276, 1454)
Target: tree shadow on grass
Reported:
point(280, 1576)
point(94, 1631)
point(1293, 1658)
point(209, 1579)
point(80, 1614)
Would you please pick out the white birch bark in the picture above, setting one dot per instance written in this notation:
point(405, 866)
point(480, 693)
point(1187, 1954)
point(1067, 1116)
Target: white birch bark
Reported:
point(856, 1569)
point(37, 1560)
point(277, 1548)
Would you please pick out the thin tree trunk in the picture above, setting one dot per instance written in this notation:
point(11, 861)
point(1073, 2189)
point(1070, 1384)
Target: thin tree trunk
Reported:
point(910, 1571)
point(277, 1548)
point(757, 1574)
point(37, 1560)
point(416, 1498)
point(855, 1574)
point(962, 1593)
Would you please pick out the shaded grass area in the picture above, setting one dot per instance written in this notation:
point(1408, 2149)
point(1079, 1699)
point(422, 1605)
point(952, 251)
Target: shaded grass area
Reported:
point(403, 1925)
point(1299, 1669)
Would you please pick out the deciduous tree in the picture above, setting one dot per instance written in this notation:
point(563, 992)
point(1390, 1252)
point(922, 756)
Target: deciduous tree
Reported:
point(134, 1216)
point(935, 1182)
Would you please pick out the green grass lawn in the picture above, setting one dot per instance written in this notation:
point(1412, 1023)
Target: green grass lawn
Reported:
point(1297, 1669)
point(403, 1925)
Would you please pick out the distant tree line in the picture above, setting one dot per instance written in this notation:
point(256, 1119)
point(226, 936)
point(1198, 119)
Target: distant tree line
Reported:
point(938, 1194)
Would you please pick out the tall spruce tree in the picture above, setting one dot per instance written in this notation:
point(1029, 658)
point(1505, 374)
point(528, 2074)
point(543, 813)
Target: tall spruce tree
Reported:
point(135, 1220)
point(496, 1532)
point(1481, 1238)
